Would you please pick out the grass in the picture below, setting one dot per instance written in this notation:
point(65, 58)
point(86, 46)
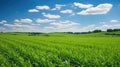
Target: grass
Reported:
point(59, 50)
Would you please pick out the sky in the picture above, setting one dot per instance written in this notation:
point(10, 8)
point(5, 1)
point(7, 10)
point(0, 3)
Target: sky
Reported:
point(58, 15)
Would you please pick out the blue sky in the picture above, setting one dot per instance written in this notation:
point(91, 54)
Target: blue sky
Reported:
point(58, 15)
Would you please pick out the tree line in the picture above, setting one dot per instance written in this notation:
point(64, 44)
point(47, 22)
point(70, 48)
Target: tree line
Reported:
point(94, 31)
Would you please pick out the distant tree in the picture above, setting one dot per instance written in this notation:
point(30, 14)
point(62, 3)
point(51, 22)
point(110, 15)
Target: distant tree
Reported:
point(112, 30)
point(77, 32)
point(69, 32)
point(96, 31)
point(84, 32)
point(116, 30)
point(109, 30)
point(35, 33)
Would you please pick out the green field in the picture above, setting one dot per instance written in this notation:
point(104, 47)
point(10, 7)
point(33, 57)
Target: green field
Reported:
point(59, 50)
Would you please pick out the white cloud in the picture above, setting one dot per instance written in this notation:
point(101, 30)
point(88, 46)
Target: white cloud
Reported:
point(13, 25)
point(44, 7)
point(107, 26)
point(88, 28)
point(56, 26)
point(68, 11)
point(51, 16)
point(26, 20)
point(80, 5)
point(22, 27)
point(52, 27)
point(2, 29)
point(100, 9)
point(58, 6)
point(33, 10)
point(44, 20)
point(35, 24)
point(114, 21)
point(102, 22)
point(49, 27)
point(3, 21)
point(64, 24)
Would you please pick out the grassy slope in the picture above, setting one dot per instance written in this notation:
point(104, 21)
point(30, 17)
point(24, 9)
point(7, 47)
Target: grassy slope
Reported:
point(58, 49)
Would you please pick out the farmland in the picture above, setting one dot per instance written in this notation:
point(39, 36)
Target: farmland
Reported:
point(59, 50)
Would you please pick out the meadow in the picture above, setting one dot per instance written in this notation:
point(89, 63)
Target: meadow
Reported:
point(59, 50)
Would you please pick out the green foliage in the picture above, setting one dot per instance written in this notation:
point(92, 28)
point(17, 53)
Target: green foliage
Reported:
point(96, 31)
point(112, 30)
point(59, 50)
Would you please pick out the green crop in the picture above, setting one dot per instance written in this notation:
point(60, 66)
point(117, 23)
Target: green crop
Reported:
point(59, 50)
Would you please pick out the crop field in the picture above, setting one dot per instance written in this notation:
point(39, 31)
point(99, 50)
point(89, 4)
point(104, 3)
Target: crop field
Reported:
point(59, 50)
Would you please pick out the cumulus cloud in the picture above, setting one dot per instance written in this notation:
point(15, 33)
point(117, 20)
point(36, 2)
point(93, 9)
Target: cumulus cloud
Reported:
point(56, 26)
point(13, 25)
point(37, 8)
point(26, 20)
point(67, 11)
point(44, 7)
point(90, 27)
point(2, 29)
point(44, 20)
point(33, 10)
point(80, 5)
point(107, 26)
point(22, 27)
point(51, 16)
point(64, 24)
point(3, 21)
point(100, 9)
point(58, 6)
point(114, 21)
point(49, 27)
